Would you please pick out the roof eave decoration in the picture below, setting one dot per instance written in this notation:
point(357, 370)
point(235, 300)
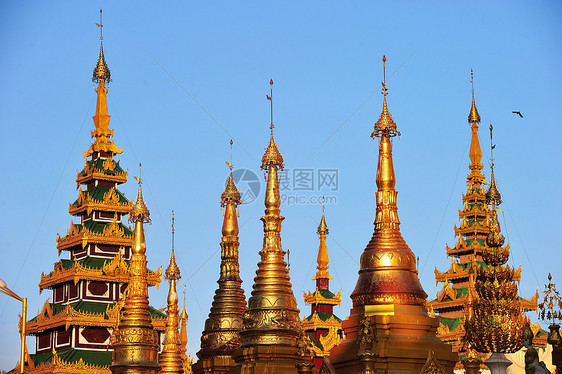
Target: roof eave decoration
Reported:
point(79, 235)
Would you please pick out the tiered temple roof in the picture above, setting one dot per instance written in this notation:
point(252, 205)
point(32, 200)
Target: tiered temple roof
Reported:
point(73, 330)
point(455, 299)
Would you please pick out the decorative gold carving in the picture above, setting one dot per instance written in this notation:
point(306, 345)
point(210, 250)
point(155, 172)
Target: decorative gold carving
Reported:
point(109, 164)
point(115, 270)
point(431, 365)
point(91, 172)
point(366, 334)
point(79, 235)
point(58, 365)
point(109, 203)
point(71, 317)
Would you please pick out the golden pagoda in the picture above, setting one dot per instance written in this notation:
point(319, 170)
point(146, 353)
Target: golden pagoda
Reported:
point(322, 326)
point(272, 327)
point(388, 329)
point(135, 341)
point(455, 301)
point(73, 330)
point(171, 359)
point(221, 336)
point(495, 320)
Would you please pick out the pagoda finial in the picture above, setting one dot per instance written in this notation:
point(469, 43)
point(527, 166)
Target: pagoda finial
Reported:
point(493, 195)
point(230, 199)
point(101, 71)
point(102, 133)
point(387, 259)
point(139, 212)
point(173, 271)
point(385, 125)
point(272, 156)
point(475, 152)
point(171, 360)
point(473, 116)
point(322, 260)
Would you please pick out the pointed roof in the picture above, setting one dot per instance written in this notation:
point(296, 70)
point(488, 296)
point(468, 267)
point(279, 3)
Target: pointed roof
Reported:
point(322, 259)
point(101, 71)
point(385, 125)
point(473, 116)
point(173, 270)
point(272, 156)
point(139, 211)
point(231, 192)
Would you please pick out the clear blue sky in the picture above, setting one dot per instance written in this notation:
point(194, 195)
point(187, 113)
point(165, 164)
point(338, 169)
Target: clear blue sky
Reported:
point(188, 76)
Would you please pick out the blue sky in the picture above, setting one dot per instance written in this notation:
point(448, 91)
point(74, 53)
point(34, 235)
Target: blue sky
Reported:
point(189, 76)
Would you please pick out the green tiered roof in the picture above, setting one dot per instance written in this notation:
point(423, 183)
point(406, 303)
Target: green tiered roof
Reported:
point(103, 249)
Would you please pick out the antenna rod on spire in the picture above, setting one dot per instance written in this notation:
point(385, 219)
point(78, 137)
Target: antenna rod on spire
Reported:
point(270, 98)
point(492, 146)
point(472, 81)
point(173, 230)
point(384, 69)
point(100, 25)
point(230, 154)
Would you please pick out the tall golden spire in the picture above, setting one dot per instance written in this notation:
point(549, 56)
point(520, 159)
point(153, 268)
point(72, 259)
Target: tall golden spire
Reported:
point(475, 152)
point(135, 342)
point(388, 273)
point(221, 336)
point(102, 133)
point(322, 260)
point(271, 322)
point(171, 360)
point(388, 300)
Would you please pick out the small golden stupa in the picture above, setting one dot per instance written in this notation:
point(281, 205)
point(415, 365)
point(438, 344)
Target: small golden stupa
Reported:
point(388, 329)
point(135, 342)
point(322, 326)
point(221, 336)
point(271, 323)
point(171, 359)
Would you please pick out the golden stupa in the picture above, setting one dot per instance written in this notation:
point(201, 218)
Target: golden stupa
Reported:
point(171, 359)
point(221, 336)
point(135, 342)
point(272, 325)
point(388, 329)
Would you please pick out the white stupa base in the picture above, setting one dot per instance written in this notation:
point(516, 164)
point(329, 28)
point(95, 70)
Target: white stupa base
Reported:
point(498, 363)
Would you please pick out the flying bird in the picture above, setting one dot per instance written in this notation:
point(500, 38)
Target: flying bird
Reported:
point(516, 112)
